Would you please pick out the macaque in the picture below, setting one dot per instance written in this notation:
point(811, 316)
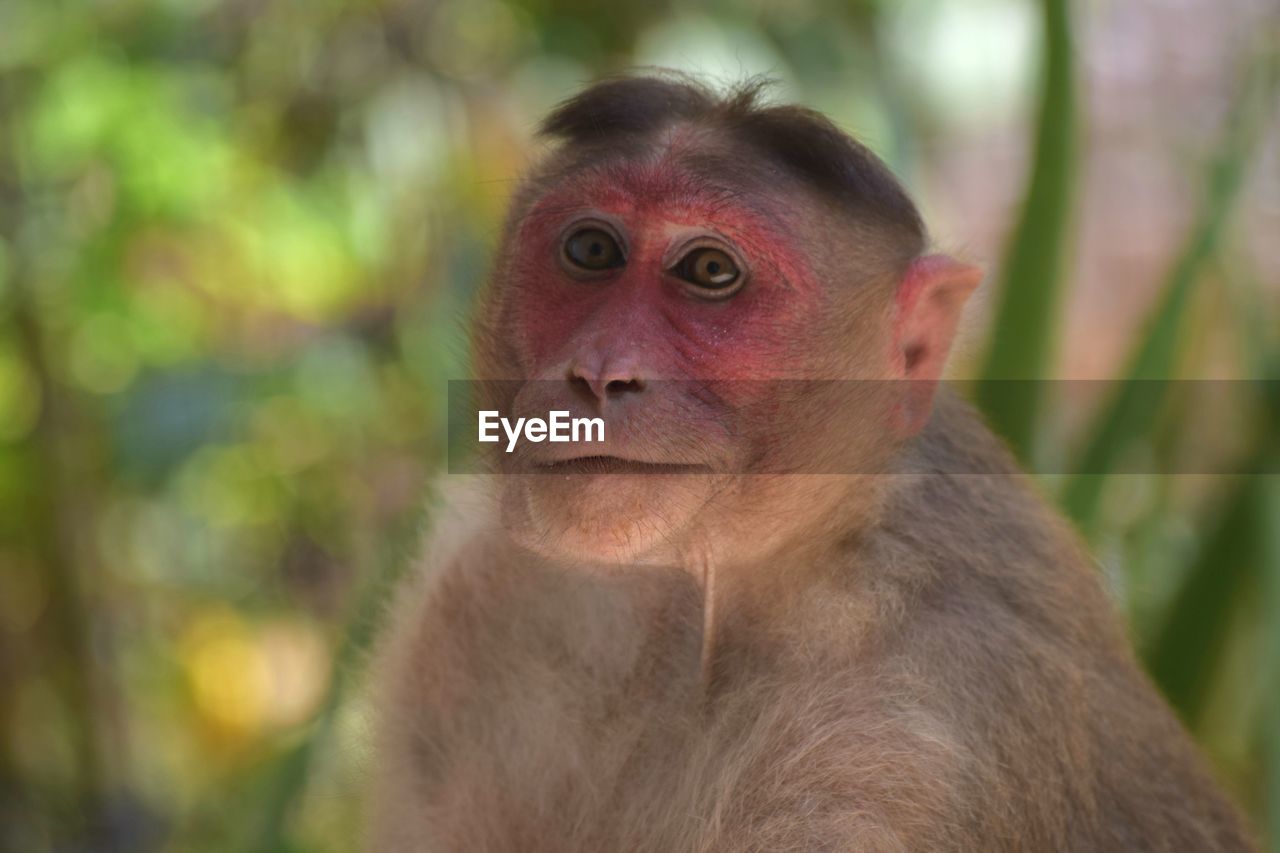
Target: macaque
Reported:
point(800, 598)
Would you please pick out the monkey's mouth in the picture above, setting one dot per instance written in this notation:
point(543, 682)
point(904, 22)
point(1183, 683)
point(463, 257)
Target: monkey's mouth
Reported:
point(614, 465)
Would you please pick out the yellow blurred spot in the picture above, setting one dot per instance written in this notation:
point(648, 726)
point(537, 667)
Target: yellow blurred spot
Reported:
point(228, 673)
point(248, 679)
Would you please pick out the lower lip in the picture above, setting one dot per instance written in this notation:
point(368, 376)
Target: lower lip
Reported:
point(615, 465)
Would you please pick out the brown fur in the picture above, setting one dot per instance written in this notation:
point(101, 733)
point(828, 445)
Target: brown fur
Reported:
point(954, 679)
point(918, 657)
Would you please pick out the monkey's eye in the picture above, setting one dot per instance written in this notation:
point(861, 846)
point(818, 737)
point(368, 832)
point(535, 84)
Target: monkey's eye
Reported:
point(710, 269)
point(593, 249)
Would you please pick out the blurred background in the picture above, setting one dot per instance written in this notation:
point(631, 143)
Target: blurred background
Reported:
point(238, 239)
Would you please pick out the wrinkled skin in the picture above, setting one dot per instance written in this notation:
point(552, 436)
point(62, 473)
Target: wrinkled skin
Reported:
point(694, 385)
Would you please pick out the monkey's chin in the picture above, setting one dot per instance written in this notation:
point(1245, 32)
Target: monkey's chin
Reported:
point(604, 518)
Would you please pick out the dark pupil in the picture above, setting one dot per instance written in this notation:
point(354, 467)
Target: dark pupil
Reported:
point(593, 249)
point(710, 268)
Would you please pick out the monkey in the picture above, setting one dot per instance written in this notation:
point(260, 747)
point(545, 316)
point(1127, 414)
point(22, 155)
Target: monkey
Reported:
point(800, 598)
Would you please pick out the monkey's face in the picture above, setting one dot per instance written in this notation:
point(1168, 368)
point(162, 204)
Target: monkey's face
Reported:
point(673, 310)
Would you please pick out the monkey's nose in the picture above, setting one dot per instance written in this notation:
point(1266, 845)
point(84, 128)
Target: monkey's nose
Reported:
point(609, 383)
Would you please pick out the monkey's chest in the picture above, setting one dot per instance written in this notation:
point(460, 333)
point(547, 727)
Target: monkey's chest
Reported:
point(544, 773)
point(564, 756)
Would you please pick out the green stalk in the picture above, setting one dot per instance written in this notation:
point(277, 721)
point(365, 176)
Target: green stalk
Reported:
point(1031, 275)
point(1132, 412)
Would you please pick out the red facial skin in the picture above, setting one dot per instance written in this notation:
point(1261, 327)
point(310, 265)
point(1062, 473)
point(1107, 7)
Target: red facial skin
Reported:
point(641, 319)
point(641, 322)
point(619, 328)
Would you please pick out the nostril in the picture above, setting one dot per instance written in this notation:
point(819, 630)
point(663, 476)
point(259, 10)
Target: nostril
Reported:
point(622, 386)
point(582, 386)
point(598, 385)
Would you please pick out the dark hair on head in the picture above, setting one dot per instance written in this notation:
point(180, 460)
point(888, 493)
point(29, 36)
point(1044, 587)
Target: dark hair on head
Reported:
point(802, 140)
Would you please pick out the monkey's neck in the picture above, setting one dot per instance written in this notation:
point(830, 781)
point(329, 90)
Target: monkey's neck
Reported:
point(754, 592)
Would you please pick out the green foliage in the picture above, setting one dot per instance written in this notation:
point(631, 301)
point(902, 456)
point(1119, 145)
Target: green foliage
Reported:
point(1133, 411)
point(1022, 339)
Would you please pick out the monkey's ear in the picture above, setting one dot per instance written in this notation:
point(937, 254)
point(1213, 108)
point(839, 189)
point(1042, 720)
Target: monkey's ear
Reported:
point(928, 305)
